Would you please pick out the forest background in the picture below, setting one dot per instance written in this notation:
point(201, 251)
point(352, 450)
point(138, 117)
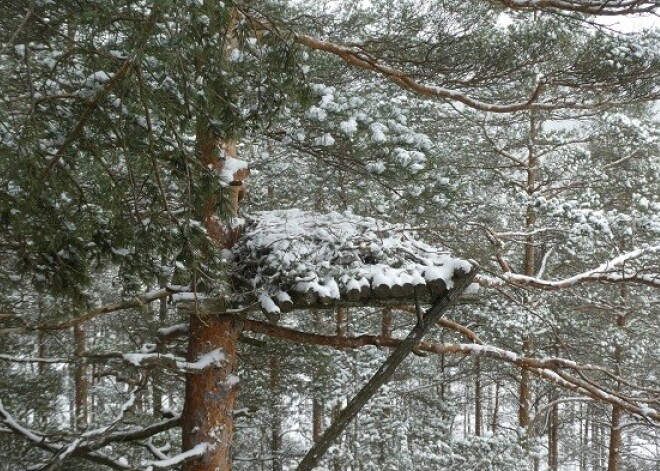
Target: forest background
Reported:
point(522, 135)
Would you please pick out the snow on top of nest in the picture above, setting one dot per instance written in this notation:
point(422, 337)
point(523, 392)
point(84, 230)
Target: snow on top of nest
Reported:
point(321, 258)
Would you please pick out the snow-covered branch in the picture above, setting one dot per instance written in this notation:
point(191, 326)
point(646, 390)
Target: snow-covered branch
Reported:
point(545, 368)
point(59, 449)
point(589, 7)
point(15, 359)
point(92, 314)
point(356, 57)
point(611, 271)
point(196, 452)
point(87, 446)
point(210, 359)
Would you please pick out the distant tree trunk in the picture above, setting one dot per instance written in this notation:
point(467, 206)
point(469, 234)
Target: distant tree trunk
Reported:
point(603, 449)
point(210, 395)
point(595, 433)
point(317, 418)
point(616, 434)
point(584, 450)
point(386, 323)
point(156, 377)
point(42, 413)
point(80, 378)
point(341, 326)
point(341, 330)
point(553, 430)
point(443, 388)
point(336, 464)
point(496, 407)
point(317, 401)
point(41, 340)
point(529, 270)
point(524, 393)
point(276, 425)
point(477, 398)
point(466, 414)
point(553, 434)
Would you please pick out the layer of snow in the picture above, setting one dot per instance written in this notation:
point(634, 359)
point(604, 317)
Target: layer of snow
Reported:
point(196, 451)
point(293, 252)
point(230, 167)
point(214, 357)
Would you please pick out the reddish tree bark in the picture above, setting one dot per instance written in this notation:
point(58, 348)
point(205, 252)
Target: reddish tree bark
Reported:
point(210, 395)
point(524, 392)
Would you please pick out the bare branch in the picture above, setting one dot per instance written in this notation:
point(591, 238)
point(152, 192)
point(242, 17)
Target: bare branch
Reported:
point(605, 273)
point(588, 7)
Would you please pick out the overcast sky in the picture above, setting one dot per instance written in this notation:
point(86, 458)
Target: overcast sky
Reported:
point(631, 24)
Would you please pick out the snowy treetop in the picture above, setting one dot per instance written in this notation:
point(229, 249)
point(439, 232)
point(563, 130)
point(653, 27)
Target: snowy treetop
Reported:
point(294, 257)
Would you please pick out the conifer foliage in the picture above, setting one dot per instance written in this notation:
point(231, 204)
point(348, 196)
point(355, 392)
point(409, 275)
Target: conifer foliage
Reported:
point(519, 135)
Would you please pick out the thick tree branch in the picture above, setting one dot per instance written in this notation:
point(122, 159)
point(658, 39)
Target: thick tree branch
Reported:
point(357, 58)
point(542, 367)
point(589, 7)
point(99, 311)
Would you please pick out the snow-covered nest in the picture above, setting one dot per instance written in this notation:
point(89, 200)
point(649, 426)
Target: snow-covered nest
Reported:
point(294, 258)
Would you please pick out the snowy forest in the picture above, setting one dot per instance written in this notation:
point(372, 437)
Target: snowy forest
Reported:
point(330, 235)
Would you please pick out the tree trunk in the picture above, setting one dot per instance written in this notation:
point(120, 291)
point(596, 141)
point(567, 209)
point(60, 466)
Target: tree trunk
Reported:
point(336, 463)
point(496, 407)
point(80, 378)
point(525, 390)
point(341, 327)
point(584, 451)
point(529, 269)
point(442, 389)
point(317, 418)
point(477, 398)
point(595, 433)
point(156, 377)
point(386, 323)
point(553, 435)
point(553, 430)
point(42, 367)
point(317, 401)
point(616, 436)
point(210, 394)
point(276, 424)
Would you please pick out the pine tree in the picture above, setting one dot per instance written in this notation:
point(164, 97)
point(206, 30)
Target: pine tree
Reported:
point(119, 125)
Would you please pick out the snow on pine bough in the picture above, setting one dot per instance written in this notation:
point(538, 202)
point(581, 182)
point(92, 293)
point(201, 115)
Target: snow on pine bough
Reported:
point(293, 259)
